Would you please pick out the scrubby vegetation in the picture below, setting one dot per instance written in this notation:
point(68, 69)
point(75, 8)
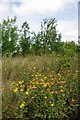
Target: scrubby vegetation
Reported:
point(39, 73)
point(36, 88)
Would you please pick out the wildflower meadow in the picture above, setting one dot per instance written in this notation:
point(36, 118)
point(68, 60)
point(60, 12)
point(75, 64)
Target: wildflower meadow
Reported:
point(37, 91)
point(40, 72)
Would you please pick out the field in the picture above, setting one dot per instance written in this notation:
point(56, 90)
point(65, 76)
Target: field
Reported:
point(39, 72)
point(40, 87)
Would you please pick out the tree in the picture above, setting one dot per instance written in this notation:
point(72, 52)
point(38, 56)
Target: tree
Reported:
point(25, 39)
point(36, 44)
point(50, 38)
point(47, 39)
point(9, 36)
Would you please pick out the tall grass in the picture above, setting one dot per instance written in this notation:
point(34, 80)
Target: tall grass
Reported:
point(21, 69)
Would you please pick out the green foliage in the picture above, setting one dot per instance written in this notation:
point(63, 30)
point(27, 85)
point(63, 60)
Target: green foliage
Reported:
point(46, 41)
point(36, 47)
point(9, 36)
point(25, 37)
point(50, 37)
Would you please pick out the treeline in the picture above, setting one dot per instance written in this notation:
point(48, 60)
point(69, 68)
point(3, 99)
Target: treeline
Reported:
point(15, 41)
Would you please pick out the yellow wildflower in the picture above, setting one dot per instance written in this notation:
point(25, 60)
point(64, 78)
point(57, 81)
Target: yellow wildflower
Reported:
point(45, 85)
point(21, 90)
point(22, 105)
point(59, 74)
point(45, 97)
point(27, 92)
point(15, 90)
point(32, 97)
point(22, 81)
point(19, 82)
point(52, 104)
point(52, 92)
point(62, 90)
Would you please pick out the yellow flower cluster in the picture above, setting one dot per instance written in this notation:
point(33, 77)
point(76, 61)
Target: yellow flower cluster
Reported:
point(45, 86)
point(18, 86)
point(15, 90)
point(22, 105)
point(50, 82)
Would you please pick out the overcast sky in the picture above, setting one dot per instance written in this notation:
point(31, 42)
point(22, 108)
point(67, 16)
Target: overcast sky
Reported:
point(34, 11)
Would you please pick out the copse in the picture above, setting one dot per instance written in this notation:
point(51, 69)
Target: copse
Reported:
point(22, 42)
point(47, 39)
